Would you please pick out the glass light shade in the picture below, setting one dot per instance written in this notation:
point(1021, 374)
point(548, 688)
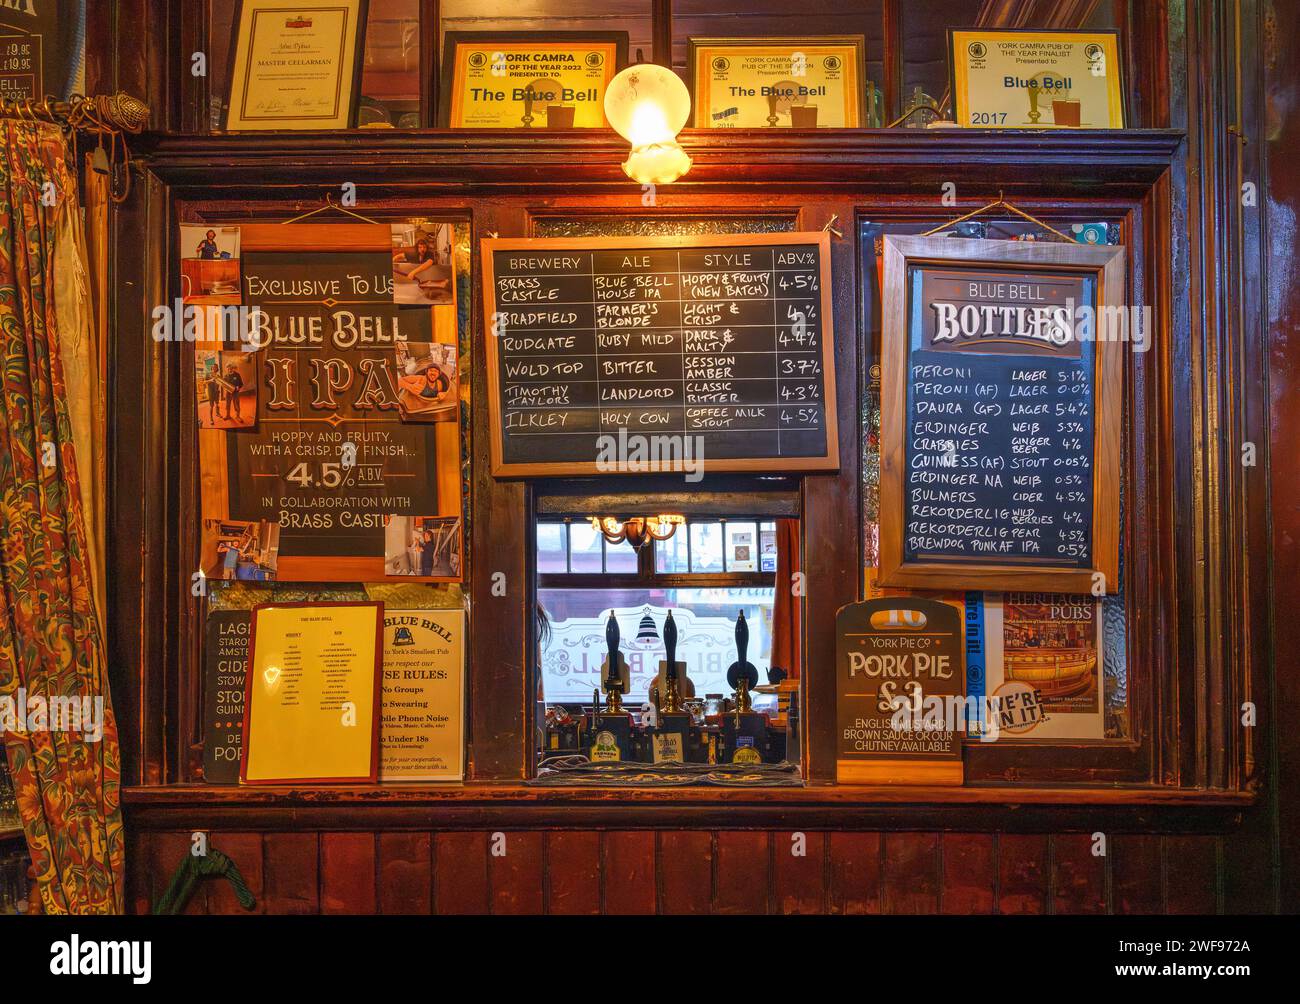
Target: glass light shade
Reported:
point(648, 105)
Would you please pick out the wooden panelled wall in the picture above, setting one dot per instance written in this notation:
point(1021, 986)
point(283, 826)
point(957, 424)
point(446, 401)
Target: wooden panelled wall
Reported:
point(698, 872)
point(294, 865)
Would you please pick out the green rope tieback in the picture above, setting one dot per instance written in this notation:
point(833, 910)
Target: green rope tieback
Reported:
point(187, 876)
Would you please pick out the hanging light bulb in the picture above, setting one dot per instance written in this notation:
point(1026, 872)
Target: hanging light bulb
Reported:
point(648, 105)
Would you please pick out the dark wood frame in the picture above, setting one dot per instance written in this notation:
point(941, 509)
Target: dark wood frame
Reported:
point(859, 43)
point(1106, 264)
point(453, 39)
point(827, 461)
point(1119, 65)
point(358, 58)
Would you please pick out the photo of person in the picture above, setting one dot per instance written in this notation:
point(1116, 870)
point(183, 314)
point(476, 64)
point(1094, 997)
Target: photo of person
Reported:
point(428, 381)
point(246, 551)
point(422, 265)
point(226, 383)
point(210, 264)
point(422, 545)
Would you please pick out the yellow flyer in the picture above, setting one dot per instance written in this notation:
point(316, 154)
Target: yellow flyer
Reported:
point(312, 692)
point(784, 83)
point(422, 699)
point(527, 82)
point(1037, 79)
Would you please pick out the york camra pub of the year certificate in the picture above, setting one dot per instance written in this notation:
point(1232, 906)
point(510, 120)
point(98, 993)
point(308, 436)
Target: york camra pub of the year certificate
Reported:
point(528, 82)
point(312, 688)
point(422, 701)
point(295, 67)
point(782, 82)
point(1036, 79)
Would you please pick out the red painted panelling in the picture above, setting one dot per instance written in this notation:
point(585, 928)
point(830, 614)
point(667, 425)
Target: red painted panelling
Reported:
point(347, 873)
point(1190, 872)
point(911, 875)
point(245, 850)
point(515, 877)
point(405, 873)
point(460, 873)
point(1022, 873)
point(629, 866)
point(1079, 875)
point(1135, 873)
point(573, 872)
point(742, 871)
point(970, 870)
point(685, 871)
point(290, 876)
point(854, 872)
point(799, 880)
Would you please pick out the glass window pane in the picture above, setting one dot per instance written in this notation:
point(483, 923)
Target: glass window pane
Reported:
point(550, 548)
point(670, 555)
point(706, 631)
point(767, 547)
point(584, 548)
point(742, 547)
point(390, 67)
point(706, 547)
point(620, 559)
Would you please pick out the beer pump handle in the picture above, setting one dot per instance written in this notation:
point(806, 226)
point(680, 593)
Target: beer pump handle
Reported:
point(670, 642)
point(611, 639)
point(742, 637)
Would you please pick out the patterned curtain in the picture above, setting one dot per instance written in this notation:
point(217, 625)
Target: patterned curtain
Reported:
point(64, 762)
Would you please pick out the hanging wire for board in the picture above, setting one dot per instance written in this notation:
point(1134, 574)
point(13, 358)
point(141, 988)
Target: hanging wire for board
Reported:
point(1000, 203)
point(330, 204)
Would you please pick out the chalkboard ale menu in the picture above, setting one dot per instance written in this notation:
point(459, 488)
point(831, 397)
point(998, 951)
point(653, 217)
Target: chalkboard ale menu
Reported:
point(649, 354)
point(1000, 418)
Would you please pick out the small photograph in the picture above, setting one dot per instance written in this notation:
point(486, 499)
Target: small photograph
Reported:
point(226, 384)
point(422, 545)
point(428, 381)
point(210, 264)
point(246, 550)
point(422, 267)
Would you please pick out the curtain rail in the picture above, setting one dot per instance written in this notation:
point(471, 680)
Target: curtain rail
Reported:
point(101, 113)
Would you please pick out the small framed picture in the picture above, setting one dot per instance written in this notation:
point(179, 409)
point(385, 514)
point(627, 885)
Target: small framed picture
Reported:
point(1031, 79)
point(779, 82)
point(528, 80)
point(296, 67)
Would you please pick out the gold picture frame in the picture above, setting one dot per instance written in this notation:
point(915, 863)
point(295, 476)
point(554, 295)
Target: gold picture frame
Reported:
point(817, 67)
point(296, 68)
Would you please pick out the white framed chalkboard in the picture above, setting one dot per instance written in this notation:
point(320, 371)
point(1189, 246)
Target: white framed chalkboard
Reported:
point(611, 355)
point(1000, 414)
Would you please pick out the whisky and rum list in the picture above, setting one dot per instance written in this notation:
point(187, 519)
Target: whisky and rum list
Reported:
point(721, 346)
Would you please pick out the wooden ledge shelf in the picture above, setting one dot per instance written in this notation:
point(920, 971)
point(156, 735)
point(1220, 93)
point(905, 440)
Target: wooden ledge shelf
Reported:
point(517, 806)
point(570, 162)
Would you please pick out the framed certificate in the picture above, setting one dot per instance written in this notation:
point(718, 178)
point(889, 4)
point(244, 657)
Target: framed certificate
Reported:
point(1030, 79)
point(523, 80)
point(758, 83)
point(312, 694)
point(296, 67)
